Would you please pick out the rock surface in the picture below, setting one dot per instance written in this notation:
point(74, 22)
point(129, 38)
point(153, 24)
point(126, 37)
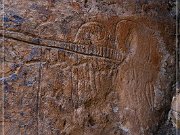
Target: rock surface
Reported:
point(86, 67)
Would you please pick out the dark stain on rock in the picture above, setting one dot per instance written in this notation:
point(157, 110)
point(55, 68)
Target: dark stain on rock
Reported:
point(64, 29)
point(34, 54)
point(40, 9)
point(14, 66)
point(13, 77)
point(36, 40)
point(7, 88)
point(12, 21)
point(17, 19)
point(6, 19)
point(29, 83)
point(91, 121)
point(3, 80)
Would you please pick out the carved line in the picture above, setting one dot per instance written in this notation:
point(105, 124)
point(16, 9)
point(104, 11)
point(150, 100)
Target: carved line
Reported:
point(90, 50)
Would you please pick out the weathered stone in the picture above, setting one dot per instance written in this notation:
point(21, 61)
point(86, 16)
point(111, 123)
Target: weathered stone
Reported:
point(176, 111)
point(86, 67)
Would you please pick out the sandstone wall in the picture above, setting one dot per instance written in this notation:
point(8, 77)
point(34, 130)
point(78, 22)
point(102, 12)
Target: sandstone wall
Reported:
point(86, 67)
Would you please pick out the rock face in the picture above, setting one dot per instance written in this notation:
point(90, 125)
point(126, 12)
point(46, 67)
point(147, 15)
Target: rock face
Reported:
point(86, 67)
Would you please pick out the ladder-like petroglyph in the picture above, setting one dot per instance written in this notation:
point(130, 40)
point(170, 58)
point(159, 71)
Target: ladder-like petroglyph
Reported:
point(59, 80)
point(90, 50)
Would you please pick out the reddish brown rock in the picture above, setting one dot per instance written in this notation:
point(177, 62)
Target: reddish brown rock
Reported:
point(86, 67)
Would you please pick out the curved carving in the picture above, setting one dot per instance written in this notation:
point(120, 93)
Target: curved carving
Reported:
point(138, 78)
point(91, 33)
point(46, 30)
point(124, 34)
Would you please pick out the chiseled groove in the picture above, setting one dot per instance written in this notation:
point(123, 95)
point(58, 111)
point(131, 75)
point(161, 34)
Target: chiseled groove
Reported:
point(90, 50)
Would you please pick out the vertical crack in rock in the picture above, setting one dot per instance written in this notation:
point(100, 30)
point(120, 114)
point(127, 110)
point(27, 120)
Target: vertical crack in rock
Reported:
point(39, 91)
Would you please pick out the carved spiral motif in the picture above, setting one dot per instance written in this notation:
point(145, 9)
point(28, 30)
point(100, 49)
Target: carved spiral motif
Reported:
point(91, 33)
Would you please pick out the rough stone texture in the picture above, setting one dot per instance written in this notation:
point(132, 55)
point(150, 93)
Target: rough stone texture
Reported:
point(86, 67)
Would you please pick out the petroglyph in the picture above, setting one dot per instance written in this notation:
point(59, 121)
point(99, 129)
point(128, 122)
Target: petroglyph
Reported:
point(85, 67)
point(91, 50)
point(91, 33)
